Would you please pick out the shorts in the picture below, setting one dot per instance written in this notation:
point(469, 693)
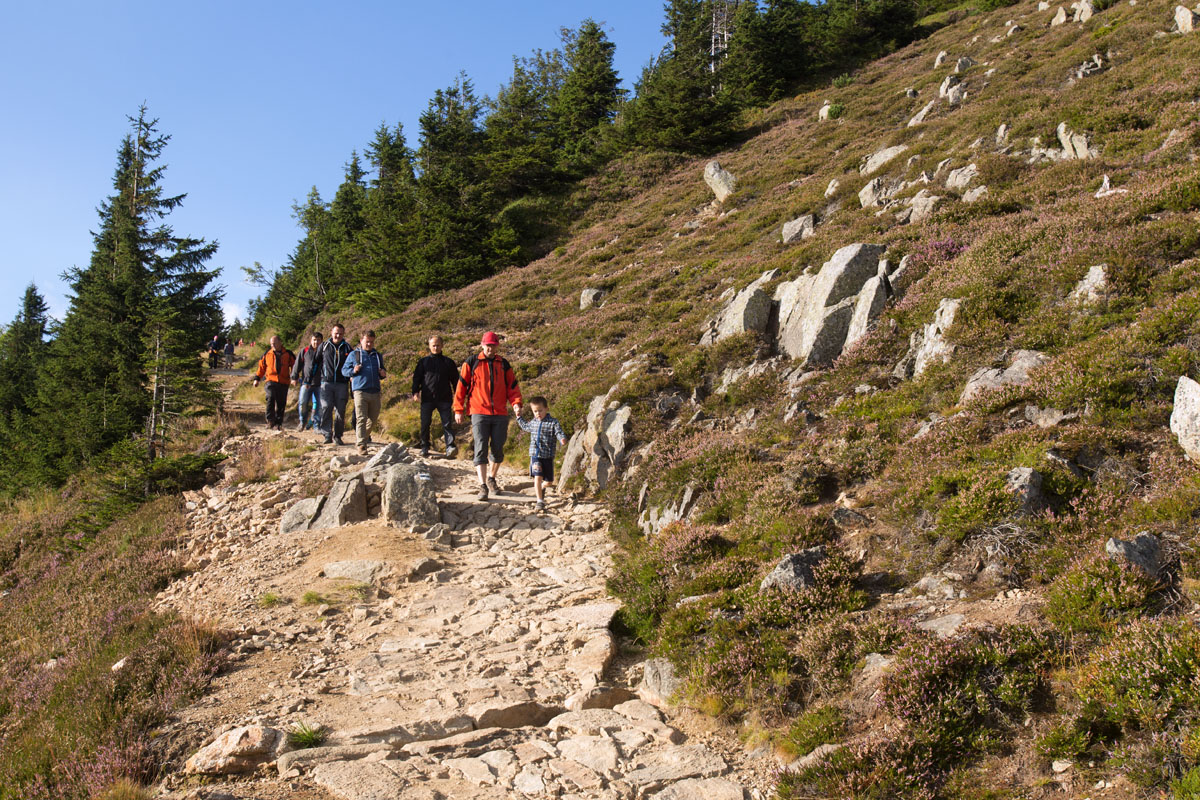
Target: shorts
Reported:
point(543, 467)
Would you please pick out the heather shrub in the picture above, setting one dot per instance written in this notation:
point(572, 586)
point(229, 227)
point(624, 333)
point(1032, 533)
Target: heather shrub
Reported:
point(833, 649)
point(815, 727)
point(902, 767)
point(737, 648)
point(961, 694)
point(1098, 595)
point(1147, 677)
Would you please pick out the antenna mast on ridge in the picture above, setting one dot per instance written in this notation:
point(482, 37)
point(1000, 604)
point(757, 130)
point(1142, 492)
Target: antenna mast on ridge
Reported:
point(722, 30)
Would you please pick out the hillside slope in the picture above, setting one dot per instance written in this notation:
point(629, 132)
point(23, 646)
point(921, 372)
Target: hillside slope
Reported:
point(963, 629)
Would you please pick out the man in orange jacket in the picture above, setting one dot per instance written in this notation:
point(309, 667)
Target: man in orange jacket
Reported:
point(486, 387)
point(276, 366)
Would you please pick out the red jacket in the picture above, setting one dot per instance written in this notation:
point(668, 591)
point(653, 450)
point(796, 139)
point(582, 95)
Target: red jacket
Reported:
point(491, 384)
point(276, 367)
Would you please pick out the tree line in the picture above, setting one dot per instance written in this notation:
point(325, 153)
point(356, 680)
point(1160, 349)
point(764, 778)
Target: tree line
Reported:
point(116, 375)
point(484, 187)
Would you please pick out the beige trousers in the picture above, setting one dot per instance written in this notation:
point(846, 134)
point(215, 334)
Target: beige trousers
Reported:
point(366, 415)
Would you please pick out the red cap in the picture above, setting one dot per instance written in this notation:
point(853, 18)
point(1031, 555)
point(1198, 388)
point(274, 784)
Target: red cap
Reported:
point(490, 338)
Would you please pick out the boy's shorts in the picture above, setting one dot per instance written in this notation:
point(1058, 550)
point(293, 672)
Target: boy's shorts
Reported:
point(542, 467)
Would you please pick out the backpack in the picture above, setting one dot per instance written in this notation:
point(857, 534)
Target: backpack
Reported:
point(472, 362)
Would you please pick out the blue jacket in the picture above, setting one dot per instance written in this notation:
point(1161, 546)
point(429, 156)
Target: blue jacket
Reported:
point(367, 379)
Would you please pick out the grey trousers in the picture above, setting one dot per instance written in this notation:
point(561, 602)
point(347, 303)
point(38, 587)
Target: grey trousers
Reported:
point(334, 397)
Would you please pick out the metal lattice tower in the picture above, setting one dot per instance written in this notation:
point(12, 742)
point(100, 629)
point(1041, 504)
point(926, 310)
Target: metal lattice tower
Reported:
point(722, 30)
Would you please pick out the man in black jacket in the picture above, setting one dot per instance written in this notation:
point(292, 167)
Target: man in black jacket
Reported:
point(335, 387)
point(433, 384)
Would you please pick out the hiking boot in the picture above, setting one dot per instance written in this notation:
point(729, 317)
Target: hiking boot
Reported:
point(338, 441)
point(495, 487)
point(301, 427)
point(451, 451)
point(540, 505)
point(362, 450)
point(483, 492)
point(329, 440)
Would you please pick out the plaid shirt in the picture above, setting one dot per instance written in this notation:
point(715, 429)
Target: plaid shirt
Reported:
point(544, 434)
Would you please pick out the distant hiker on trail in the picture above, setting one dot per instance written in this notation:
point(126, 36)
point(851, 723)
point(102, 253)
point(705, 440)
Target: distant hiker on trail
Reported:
point(486, 386)
point(433, 384)
point(544, 434)
point(214, 350)
point(276, 367)
point(307, 375)
point(335, 387)
point(365, 369)
point(229, 350)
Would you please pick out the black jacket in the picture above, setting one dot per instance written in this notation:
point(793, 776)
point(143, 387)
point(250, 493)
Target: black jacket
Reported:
point(436, 378)
point(332, 357)
point(307, 370)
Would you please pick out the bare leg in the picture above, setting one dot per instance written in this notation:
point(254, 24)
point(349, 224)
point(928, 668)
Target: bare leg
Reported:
point(481, 471)
point(537, 487)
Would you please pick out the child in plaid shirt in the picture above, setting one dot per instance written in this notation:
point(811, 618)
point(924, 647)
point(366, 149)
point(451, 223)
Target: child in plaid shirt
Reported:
point(544, 433)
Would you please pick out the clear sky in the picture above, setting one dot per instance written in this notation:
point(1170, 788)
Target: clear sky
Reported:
point(263, 100)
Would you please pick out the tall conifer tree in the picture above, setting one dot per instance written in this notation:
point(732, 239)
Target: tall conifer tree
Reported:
point(92, 390)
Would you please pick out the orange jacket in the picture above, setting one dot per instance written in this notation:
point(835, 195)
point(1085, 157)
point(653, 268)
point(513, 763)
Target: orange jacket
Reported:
point(491, 384)
point(276, 368)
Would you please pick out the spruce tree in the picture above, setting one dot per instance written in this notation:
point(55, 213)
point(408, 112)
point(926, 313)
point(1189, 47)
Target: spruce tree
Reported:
point(92, 390)
point(589, 95)
point(453, 204)
point(679, 105)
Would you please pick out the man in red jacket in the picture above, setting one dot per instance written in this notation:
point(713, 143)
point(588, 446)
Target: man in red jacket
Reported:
point(486, 387)
point(276, 366)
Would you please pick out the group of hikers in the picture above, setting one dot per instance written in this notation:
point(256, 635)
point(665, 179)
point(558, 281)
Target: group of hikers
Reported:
point(217, 348)
point(329, 371)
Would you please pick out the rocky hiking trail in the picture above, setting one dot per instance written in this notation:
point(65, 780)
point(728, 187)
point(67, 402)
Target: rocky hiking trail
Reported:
point(466, 657)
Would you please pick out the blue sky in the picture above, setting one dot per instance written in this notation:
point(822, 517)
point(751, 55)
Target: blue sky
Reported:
point(263, 100)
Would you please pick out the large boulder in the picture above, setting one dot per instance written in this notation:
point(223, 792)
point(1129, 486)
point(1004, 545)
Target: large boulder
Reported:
point(922, 205)
point(799, 228)
point(815, 310)
point(1185, 417)
point(599, 448)
point(590, 298)
point(1083, 10)
point(877, 159)
point(920, 116)
point(719, 180)
point(1025, 486)
point(345, 504)
point(929, 346)
point(653, 519)
point(990, 379)
point(877, 191)
point(1092, 287)
point(749, 310)
point(1143, 553)
point(1185, 19)
point(236, 751)
point(1075, 145)
point(660, 684)
point(868, 306)
point(1060, 18)
point(408, 499)
point(794, 571)
point(961, 178)
point(301, 515)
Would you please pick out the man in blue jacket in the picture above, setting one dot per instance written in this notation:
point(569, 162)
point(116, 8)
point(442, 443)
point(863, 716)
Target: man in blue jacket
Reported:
point(335, 387)
point(364, 367)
